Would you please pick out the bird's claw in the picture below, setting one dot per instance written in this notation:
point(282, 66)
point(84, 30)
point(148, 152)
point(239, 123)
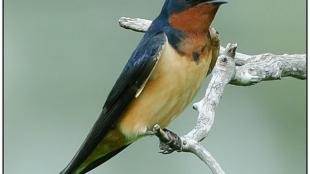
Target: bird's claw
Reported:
point(169, 141)
point(165, 148)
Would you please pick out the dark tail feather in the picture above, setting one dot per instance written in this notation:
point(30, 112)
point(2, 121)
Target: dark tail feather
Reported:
point(103, 159)
point(97, 162)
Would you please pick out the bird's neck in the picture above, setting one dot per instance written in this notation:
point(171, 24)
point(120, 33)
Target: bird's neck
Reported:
point(194, 20)
point(189, 30)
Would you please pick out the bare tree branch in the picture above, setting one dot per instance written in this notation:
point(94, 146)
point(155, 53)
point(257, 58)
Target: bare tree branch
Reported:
point(231, 67)
point(135, 24)
point(222, 74)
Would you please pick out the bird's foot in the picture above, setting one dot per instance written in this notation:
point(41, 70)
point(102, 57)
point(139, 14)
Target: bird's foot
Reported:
point(169, 141)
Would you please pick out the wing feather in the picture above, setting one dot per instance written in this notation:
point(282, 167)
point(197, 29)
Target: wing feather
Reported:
point(128, 86)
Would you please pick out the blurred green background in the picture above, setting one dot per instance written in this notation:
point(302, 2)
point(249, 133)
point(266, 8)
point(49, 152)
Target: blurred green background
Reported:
point(63, 57)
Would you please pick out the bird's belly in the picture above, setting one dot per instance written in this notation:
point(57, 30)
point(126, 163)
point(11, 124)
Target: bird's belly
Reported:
point(171, 87)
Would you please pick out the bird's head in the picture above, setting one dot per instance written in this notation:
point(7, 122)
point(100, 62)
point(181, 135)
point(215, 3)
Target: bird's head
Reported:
point(190, 14)
point(178, 6)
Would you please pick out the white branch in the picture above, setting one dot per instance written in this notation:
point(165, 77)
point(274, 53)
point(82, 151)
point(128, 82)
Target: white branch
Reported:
point(270, 67)
point(204, 155)
point(222, 74)
point(135, 24)
point(234, 68)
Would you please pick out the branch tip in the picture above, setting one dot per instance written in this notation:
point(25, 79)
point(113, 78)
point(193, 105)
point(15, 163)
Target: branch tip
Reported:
point(231, 49)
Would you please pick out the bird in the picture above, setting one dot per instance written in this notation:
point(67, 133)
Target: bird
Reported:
point(160, 79)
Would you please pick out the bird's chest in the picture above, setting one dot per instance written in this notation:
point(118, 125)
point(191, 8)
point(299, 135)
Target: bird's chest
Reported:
point(171, 87)
point(178, 78)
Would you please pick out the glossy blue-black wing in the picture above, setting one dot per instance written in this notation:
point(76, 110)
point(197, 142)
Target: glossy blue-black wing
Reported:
point(130, 82)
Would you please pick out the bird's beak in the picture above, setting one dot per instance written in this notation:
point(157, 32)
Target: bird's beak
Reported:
point(218, 2)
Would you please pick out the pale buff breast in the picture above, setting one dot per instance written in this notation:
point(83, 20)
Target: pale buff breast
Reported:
point(171, 87)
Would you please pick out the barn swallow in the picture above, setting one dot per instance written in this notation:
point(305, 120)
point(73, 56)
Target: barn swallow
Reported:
point(159, 80)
